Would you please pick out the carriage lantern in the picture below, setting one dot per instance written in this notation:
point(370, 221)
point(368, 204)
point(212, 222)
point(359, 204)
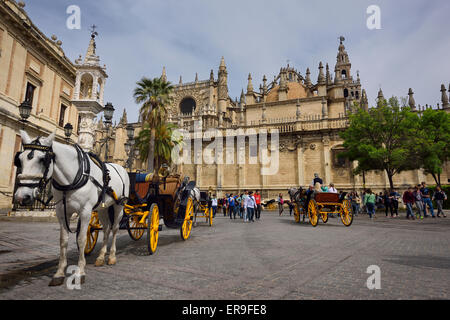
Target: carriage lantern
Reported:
point(25, 110)
point(108, 112)
point(130, 132)
point(68, 128)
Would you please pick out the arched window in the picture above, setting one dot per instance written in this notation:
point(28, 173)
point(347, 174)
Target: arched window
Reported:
point(344, 74)
point(345, 93)
point(187, 105)
point(339, 162)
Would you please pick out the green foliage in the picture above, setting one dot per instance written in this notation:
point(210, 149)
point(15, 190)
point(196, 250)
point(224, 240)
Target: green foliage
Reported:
point(155, 142)
point(381, 138)
point(433, 141)
point(165, 141)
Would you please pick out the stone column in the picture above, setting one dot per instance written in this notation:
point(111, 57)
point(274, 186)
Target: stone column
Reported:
point(300, 165)
point(86, 136)
point(326, 159)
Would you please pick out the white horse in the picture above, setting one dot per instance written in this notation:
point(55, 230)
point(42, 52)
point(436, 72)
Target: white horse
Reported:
point(63, 168)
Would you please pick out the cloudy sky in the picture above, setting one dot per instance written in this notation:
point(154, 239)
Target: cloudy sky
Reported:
point(138, 37)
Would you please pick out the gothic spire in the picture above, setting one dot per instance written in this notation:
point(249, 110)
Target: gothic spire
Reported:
point(250, 84)
point(444, 98)
point(164, 76)
point(308, 78)
point(380, 98)
point(321, 79)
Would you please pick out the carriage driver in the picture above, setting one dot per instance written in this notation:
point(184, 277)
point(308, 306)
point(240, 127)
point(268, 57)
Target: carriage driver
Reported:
point(316, 180)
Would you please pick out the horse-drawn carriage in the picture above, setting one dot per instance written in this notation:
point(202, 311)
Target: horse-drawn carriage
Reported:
point(320, 204)
point(204, 209)
point(152, 198)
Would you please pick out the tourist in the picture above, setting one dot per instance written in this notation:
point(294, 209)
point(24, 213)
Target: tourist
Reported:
point(231, 206)
point(380, 201)
point(238, 205)
point(214, 205)
point(316, 180)
point(258, 205)
point(394, 202)
point(426, 195)
point(332, 189)
point(251, 204)
point(280, 203)
point(354, 200)
point(370, 203)
point(224, 206)
point(419, 202)
point(440, 196)
point(241, 206)
point(387, 203)
point(244, 201)
point(408, 200)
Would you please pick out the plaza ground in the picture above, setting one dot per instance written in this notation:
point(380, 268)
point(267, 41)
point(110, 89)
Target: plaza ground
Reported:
point(274, 258)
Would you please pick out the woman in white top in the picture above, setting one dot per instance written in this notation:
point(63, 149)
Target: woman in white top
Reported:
point(251, 204)
point(332, 189)
point(214, 205)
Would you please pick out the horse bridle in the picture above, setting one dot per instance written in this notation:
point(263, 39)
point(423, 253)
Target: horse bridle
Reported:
point(49, 156)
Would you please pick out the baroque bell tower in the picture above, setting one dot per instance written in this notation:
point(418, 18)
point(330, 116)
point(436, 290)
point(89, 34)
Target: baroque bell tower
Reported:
point(89, 92)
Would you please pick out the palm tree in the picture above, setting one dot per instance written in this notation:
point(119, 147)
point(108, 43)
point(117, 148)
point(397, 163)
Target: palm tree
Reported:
point(154, 95)
point(164, 143)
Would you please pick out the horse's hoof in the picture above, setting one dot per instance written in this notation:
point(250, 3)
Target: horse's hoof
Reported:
point(112, 261)
point(56, 282)
point(99, 263)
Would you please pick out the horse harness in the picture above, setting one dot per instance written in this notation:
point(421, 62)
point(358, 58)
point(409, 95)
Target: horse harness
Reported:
point(82, 177)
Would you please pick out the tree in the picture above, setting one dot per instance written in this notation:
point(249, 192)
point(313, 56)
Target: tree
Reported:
point(381, 139)
point(433, 141)
point(154, 95)
point(164, 142)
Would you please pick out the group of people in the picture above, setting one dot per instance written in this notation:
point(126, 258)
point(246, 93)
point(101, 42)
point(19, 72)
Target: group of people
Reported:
point(419, 196)
point(246, 206)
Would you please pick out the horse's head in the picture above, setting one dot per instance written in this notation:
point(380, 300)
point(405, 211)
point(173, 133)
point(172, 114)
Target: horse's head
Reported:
point(35, 167)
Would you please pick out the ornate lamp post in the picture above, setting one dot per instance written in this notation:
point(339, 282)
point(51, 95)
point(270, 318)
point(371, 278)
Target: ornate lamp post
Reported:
point(108, 112)
point(129, 146)
point(25, 111)
point(68, 128)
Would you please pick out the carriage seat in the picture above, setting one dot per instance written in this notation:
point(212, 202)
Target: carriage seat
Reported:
point(170, 187)
point(326, 197)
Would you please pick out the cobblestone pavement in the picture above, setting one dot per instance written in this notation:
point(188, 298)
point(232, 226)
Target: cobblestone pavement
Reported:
point(274, 258)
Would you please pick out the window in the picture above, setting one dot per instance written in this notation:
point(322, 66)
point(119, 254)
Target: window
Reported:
point(62, 115)
point(339, 162)
point(345, 93)
point(344, 74)
point(187, 106)
point(29, 93)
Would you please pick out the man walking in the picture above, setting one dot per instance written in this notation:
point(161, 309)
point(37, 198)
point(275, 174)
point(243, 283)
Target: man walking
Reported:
point(440, 196)
point(245, 203)
point(258, 205)
point(214, 205)
point(231, 203)
point(419, 202)
point(369, 201)
point(408, 200)
point(426, 195)
point(251, 204)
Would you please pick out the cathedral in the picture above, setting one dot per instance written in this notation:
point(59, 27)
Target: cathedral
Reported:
point(308, 115)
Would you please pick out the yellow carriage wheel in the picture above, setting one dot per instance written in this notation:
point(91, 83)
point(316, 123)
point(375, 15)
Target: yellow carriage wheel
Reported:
point(153, 229)
point(133, 222)
point(324, 216)
point(297, 213)
point(210, 217)
point(346, 213)
point(313, 213)
point(186, 227)
point(92, 233)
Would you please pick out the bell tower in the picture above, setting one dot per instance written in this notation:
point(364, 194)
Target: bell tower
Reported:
point(89, 92)
point(222, 90)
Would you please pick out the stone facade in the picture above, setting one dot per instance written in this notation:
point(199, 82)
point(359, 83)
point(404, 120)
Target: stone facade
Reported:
point(32, 66)
point(309, 116)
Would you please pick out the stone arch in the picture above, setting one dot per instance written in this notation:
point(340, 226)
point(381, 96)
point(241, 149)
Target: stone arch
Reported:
point(188, 105)
point(86, 86)
point(345, 93)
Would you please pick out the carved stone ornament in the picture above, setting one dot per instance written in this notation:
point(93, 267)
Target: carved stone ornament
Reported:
point(313, 146)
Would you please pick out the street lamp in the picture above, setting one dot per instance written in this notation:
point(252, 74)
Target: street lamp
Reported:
point(129, 146)
point(108, 112)
point(130, 132)
point(68, 128)
point(25, 110)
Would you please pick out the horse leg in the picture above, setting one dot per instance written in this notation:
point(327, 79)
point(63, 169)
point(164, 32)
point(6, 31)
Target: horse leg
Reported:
point(104, 219)
point(118, 210)
point(85, 217)
point(58, 278)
